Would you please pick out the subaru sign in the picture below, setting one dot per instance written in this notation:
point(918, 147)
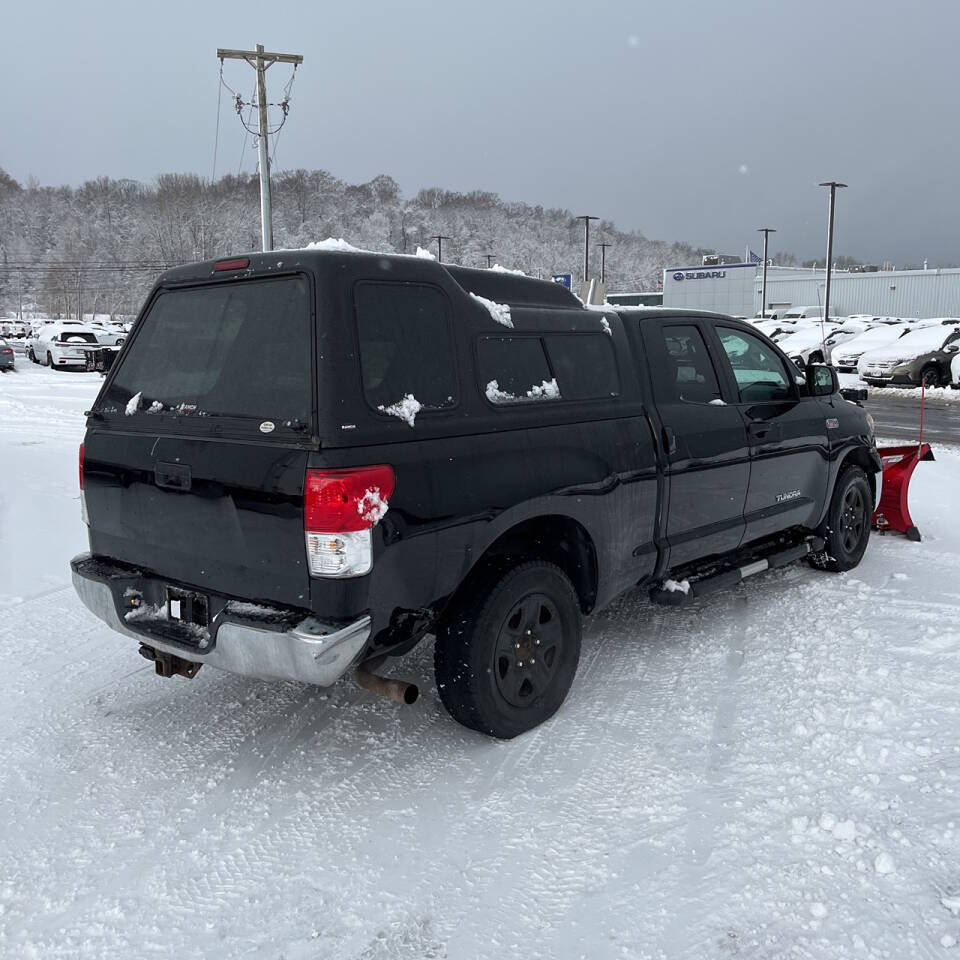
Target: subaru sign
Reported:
point(564, 279)
point(699, 274)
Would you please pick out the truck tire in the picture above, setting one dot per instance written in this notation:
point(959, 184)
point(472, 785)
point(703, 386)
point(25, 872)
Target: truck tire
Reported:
point(505, 659)
point(848, 522)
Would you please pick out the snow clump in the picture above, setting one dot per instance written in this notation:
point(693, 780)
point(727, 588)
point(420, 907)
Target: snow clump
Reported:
point(496, 268)
point(372, 507)
point(334, 243)
point(424, 254)
point(884, 863)
point(406, 409)
point(499, 311)
point(605, 323)
point(675, 586)
point(133, 404)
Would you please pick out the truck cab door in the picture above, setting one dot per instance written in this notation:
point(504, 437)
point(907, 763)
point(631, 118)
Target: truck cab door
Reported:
point(788, 434)
point(703, 440)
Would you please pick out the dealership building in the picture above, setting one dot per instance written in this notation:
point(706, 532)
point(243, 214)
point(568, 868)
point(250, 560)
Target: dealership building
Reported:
point(735, 288)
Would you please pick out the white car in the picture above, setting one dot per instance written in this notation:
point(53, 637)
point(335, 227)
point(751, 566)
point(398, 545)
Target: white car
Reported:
point(846, 356)
point(13, 328)
point(813, 345)
point(109, 334)
point(63, 344)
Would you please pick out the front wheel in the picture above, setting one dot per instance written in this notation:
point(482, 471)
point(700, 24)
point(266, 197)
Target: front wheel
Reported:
point(506, 658)
point(930, 377)
point(848, 522)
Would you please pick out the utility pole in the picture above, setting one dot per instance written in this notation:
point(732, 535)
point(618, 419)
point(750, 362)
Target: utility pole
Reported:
point(603, 260)
point(489, 257)
point(79, 294)
point(833, 185)
point(20, 295)
point(586, 243)
point(766, 231)
point(439, 237)
point(261, 61)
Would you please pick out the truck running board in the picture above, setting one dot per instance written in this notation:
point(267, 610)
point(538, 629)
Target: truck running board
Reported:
point(670, 593)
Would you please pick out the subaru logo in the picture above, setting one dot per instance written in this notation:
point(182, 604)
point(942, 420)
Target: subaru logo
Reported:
point(678, 276)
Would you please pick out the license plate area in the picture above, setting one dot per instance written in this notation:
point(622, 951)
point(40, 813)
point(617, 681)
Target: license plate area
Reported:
point(184, 606)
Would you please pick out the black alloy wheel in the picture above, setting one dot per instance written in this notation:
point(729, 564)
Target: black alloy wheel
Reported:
point(847, 530)
point(852, 519)
point(507, 652)
point(930, 377)
point(529, 641)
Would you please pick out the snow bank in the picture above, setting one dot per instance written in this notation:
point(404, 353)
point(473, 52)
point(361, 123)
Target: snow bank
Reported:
point(499, 311)
point(406, 409)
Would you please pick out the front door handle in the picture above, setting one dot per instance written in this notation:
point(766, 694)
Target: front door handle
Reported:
point(669, 440)
point(763, 430)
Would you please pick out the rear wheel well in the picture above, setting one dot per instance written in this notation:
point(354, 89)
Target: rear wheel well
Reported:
point(555, 539)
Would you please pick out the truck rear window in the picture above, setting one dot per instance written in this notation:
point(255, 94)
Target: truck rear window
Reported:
point(235, 349)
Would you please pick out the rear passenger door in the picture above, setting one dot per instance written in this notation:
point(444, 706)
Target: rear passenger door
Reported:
point(789, 445)
point(704, 443)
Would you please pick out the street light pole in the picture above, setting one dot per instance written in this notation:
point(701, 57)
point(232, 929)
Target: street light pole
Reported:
point(603, 260)
point(766, 231)
point(833, 185)
point(586, 218)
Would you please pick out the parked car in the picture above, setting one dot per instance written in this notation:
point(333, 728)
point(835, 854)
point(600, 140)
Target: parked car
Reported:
point(303, 463)
point(109, 334)
point(921, 356)
point(62, 344)
point(13, 328)
point(6, 356)
point(811, 344)
point(848, 354)
point(802, 313)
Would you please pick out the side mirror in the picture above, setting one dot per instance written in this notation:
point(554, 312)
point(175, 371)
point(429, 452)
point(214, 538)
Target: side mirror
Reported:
point(822, 380)
point(952, 348)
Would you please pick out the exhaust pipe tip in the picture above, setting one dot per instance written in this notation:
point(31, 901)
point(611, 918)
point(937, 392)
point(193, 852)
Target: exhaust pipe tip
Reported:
point(400, 691)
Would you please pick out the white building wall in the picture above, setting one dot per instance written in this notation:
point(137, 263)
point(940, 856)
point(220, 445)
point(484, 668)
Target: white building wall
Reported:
point(728, 288)
point(900, 293)
point(734, 288)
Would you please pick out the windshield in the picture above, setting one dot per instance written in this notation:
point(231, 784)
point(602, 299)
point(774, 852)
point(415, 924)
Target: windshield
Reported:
point(239, 349)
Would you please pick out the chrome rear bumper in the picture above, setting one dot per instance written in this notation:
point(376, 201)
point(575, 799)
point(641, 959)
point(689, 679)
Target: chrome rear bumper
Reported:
point(310, 652)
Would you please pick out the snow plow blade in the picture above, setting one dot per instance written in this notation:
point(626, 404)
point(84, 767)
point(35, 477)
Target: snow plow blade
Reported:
point(893, 512)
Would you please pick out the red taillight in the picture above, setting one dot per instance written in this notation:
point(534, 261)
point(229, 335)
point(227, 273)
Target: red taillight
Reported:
point(241, 263)
point(81, 466)
point(345, 501)
point(6, 350)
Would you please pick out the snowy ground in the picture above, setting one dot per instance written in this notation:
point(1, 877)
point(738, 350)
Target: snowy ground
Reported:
point(774, 772)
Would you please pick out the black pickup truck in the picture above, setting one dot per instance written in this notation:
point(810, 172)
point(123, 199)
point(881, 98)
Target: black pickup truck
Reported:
point(304, 462)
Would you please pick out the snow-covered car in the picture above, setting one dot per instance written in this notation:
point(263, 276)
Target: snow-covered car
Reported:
point(63, 344)
point(921, 356)
point(6, 356)
point(845, 357)
point(109, 334)
point(810, 344)
point(13, 328)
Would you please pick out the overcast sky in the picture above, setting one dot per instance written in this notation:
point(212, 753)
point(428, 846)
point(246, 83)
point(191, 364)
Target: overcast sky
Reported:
point(688, 120)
